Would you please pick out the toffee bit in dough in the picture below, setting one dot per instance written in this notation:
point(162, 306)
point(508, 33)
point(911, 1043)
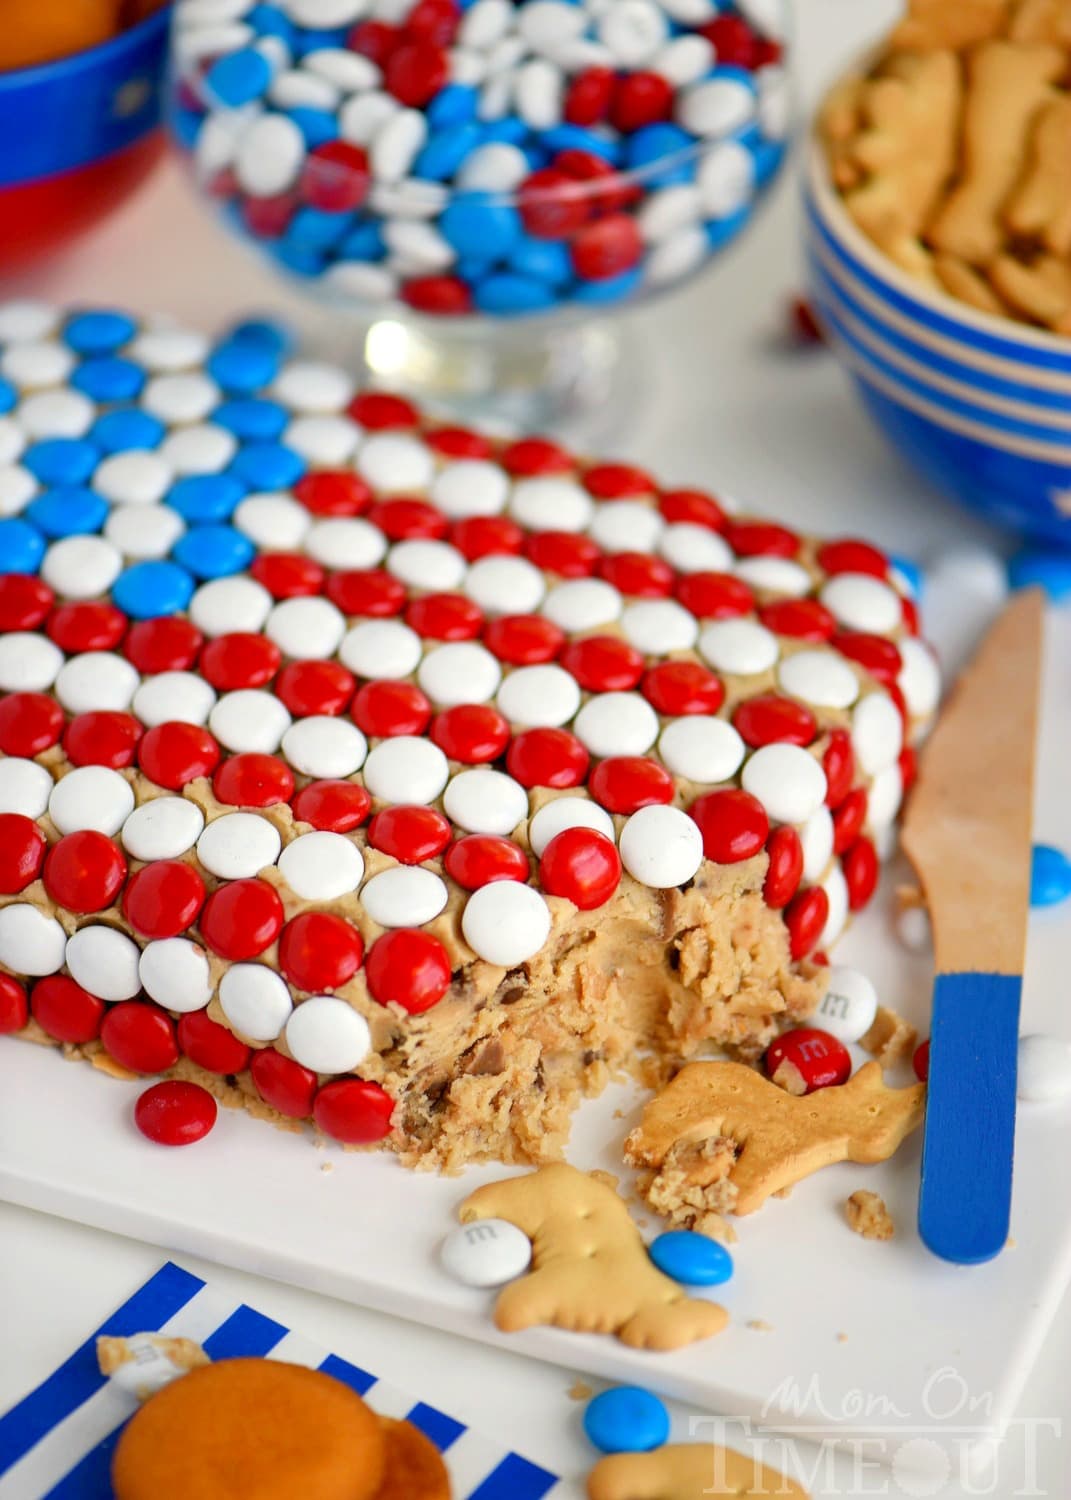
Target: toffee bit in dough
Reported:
point(867, 1216)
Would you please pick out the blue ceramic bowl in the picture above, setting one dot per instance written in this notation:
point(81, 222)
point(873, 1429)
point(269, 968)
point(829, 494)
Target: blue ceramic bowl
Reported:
point(78, 135)
point(981, 406)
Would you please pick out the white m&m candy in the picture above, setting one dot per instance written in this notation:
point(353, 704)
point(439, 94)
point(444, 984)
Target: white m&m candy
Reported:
point(183, 696)
point(238, 845)
point(488, 1253)
point(30, 942)
point(849, 1005)
point(461, 672)
point(405, 896)
point(322, 866)
point(405, 769)
point(701, 749)
point(506, 923)
point(104, 962)
point(175, 973)
point(325, 746)
point(328, 1035)
point(25, 787)
point(543, 697)
point(661, 847)
point(91, 797)
point(860, 602)
point(819, 677)
point(249, 720)
point(617, 724)
point(567, 812)
point(789, 783)
point(485, 801)
point(255, 1001)
point(739, 646)
point(162, 829)
point(1044, 1069)
point(28, 663)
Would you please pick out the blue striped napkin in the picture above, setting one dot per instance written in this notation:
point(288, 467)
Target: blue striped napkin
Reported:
point(57, 1443)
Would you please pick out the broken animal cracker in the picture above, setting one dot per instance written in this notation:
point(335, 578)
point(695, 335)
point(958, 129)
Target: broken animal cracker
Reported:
point(1040, 207)
point(779, 1138)
point(1042, 21)
point(687, 1471)
point(906, 150)
point(1009, 85)
point(1040, 291)
point(145, 1362)
point(972, 287)
point(934, 24)
point(590, 1269)
point(867, 1216)
point(890, 1039)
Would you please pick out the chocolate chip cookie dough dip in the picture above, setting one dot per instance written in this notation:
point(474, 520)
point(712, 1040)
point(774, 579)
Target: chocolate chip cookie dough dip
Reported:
point(403, 780)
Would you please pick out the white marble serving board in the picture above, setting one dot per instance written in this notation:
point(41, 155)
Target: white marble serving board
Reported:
point(859, 1330)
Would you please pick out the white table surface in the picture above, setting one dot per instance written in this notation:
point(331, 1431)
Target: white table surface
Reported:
point(724, 406)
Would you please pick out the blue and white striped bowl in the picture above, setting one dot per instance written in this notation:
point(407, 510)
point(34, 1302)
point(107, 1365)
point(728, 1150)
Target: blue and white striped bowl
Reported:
point(981, 406)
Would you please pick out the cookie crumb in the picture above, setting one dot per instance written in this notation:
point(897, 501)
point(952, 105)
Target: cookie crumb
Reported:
point(107, 1064)
point(891, 1039)
point(1011, 1242)
point(788, 1077)
point(327, 1166)
point(608, 1179)
point(580, 1391)
point(760, 1325)
point(868, 1216)
point(842, 1338)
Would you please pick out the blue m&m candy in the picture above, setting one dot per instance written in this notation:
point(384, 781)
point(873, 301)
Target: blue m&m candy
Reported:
point(213, 551)
point(690, 1258)
point(21, 546)
point(626, 1419)
point(1050, 876)
point(150, 589)
point(1050, 570)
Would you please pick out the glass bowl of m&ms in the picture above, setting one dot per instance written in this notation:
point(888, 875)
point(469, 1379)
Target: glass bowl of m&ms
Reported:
point(81, 103)
point(475, 181)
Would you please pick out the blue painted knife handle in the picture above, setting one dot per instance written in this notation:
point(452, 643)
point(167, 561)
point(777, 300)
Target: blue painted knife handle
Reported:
point(969, 1138)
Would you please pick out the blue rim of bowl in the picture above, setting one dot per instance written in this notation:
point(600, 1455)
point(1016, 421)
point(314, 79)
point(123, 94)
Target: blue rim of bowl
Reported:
point(1027, 349)
point(63, 69)
point(38, 141)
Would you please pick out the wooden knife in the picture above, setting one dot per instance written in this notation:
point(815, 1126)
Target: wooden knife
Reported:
point(968, 835)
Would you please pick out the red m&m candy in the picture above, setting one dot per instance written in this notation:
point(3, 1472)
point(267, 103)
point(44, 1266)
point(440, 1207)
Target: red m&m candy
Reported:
point(524, 640)
point(88, 625)
point(239, 660)
point(29, 723)
point(770, 719)
point(14, 1007)
point(283, 1083)
point(383, 709)
point(625, 783)
point(920, 1061)
point(805, 917)
point(24, 601)
point(140, 1037)
point(676, 688)
point(175, 1113)
point(409, 834)
point(336, 806)
point(818, 1060)
point(241, 919)
point(408, 968)
point(22, 850)
point(353, 1110)
point(308, 688)
point(785, 869)
point(102, 737)
point(471, 732)
point(480, 858)
point(163, 645)
point(65, 1010)
point(861, 871)
point(733, 823)
point(174, 754)
point(603, 663)
point(253, 780)
point(319, 952)
point(84, 871)
point(581, 865)
point(210, 1045)
point(838, 763)
point(163, 898)
point(547, 757)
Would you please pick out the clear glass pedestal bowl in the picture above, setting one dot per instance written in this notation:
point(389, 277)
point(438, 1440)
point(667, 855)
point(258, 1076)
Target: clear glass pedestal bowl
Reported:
point(467, 257)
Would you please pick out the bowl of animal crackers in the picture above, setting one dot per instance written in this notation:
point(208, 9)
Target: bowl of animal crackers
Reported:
point(938, 236)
